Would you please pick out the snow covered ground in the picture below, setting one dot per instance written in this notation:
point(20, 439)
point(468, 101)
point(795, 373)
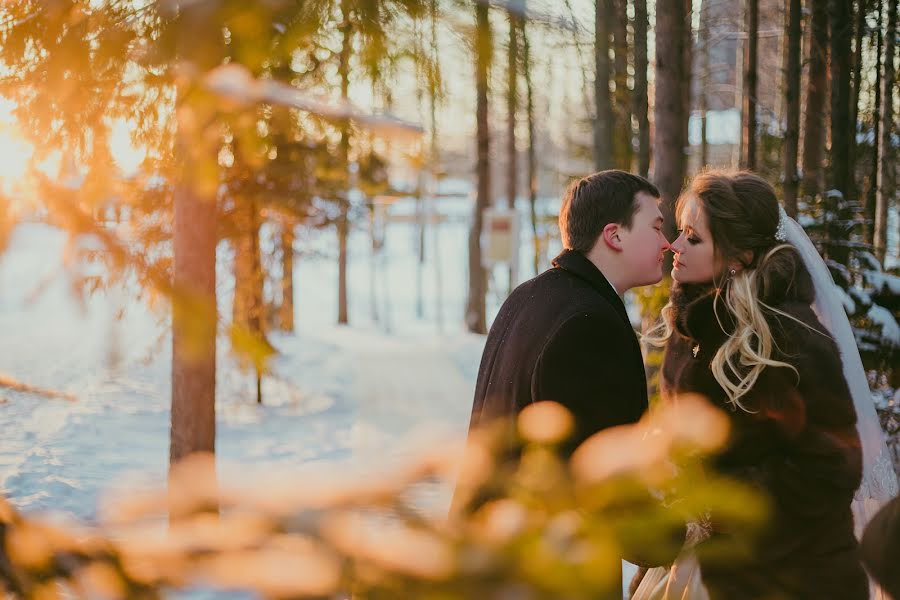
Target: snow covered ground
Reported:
point(338, 396)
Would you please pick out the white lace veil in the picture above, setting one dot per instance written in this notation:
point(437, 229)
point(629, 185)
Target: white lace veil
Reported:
point(879, 482)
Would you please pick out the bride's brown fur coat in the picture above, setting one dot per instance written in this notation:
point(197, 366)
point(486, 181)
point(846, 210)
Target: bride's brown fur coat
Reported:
point(799, 446)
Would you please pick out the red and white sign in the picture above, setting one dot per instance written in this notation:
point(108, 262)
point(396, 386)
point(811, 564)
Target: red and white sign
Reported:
point(499, 236)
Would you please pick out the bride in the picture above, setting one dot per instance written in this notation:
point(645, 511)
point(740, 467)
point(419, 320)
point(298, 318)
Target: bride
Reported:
point(755, 325)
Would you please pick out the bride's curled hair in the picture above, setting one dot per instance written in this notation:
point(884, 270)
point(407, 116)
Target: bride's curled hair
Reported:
point(742, 213)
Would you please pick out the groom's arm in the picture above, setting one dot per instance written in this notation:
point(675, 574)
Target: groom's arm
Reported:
point(589, 368)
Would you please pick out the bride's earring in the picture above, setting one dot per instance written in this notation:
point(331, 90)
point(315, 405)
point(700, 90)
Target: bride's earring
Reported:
point(733, 272)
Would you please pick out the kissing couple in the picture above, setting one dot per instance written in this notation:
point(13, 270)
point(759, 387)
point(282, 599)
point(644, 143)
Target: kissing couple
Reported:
point(754, 324)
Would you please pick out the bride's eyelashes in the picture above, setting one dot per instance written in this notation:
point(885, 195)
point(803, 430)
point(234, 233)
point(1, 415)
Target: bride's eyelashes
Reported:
point(691, 238)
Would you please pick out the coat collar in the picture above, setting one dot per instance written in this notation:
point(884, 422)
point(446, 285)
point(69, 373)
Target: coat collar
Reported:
point(578, 264)
point(700, 313)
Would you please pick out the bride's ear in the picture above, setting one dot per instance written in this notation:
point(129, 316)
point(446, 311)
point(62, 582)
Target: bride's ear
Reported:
point(746, 259)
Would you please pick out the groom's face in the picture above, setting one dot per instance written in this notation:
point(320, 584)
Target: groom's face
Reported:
point(644, 245)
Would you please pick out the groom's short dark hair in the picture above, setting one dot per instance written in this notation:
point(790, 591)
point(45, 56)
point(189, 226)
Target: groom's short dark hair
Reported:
point(593, 202)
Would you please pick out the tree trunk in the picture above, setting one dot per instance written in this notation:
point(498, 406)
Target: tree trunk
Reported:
point(532, 148)
point(243, 268)
point(860, 28)
point(673, 38)
point(841, 132)
point(194, 317)
point(343, 229)
point(435, 158)
point(871, 193)
point(885, 185)
point(622, 142)
point(817, 87)
point(476, 319)
point(703, 100)
point(420, 245)
point(421, 219)
point(248, 309)
point(603, 120)
point(512, 165)
point(343, 224)
point(641, 107)
point(748, 141)
point(286, 310)
point(373, 263)
point(257, 301)
point(193, 425)
point(792, 105)
point(688, 58)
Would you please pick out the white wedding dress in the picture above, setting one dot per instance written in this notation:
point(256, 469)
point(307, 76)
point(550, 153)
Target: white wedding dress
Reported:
point(682, 581)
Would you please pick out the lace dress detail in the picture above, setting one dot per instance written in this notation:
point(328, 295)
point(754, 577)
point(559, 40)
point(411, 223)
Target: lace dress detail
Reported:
point(876, 489)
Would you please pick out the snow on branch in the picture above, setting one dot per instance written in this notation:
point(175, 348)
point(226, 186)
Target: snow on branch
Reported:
point(883, 281)
point(846, 300)
point(236, 83)
point(884, 320)
point(869, 261)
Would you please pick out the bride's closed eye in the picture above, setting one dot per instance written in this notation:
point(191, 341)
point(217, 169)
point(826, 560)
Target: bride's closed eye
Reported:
point(692, 239)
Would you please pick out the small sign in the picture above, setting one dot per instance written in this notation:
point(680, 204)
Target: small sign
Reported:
point(499, 236)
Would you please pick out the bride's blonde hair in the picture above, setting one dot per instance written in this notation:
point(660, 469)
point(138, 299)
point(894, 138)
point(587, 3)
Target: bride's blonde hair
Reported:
point(742, 212)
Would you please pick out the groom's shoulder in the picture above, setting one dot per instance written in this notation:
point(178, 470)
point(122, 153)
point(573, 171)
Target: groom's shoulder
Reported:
point(559, 278)
point(563, 294)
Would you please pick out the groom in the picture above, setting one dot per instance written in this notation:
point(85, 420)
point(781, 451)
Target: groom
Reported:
point(565, 335)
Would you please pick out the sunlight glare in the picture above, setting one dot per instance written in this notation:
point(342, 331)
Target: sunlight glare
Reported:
point(126, 155)
point(50, 166)
point(15, 154)
point(15, 151)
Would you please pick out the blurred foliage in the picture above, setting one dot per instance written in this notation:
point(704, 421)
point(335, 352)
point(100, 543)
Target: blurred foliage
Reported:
point(770, 161)
point(242, 110)
point(650, 300)
point(557, 530)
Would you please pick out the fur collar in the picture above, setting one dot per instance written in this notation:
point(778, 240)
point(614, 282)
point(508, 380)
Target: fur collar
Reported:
point(695, 308)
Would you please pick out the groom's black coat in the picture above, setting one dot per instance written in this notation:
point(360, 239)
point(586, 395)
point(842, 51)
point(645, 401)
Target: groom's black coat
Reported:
point(563, 336)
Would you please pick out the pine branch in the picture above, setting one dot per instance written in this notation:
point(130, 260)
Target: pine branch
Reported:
point(18, 386)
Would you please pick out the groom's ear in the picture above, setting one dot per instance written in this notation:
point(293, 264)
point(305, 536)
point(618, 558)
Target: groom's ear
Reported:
point(611, 237)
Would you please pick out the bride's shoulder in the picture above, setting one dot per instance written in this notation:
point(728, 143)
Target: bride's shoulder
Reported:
point(799, 334)
point(798, 320)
